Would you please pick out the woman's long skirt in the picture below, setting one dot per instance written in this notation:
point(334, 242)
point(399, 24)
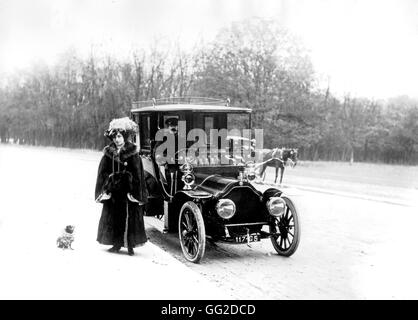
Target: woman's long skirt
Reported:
point(122, 224)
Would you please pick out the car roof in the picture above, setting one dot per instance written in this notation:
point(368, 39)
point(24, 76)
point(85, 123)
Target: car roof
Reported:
point(191, 108)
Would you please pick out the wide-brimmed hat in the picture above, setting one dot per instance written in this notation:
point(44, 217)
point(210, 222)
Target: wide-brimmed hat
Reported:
point(123, 125)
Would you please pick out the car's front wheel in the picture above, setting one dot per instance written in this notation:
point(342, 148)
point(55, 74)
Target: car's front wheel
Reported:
point(192, 233)
point(285, 230)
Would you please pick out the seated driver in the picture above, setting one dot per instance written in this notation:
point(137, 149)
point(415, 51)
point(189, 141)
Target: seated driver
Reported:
point(172, 128)
point(168, 171)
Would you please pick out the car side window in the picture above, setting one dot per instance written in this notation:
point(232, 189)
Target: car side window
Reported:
point(144, 130)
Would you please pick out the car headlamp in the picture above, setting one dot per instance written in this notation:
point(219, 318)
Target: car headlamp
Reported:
point(188, 177)
point(225, 208)
point(276, 206)
point(250, 171)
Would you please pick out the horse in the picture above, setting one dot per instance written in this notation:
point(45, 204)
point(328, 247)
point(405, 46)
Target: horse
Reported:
point(278, 158)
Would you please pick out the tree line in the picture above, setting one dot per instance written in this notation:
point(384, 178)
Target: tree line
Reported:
point(255, 63)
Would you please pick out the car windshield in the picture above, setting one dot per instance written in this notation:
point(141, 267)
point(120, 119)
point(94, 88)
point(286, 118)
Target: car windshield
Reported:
point(238, 121)
point(223, 137)
point(227, 142)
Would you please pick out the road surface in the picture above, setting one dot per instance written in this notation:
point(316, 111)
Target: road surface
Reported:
point(352, 246)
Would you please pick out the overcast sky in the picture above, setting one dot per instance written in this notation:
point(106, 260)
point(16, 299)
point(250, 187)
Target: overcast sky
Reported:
point(366, 47)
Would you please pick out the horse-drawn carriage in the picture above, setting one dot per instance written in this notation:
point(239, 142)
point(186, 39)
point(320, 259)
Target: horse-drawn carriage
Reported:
point(201, 187)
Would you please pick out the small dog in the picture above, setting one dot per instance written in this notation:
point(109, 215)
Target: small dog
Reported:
point(67, 238)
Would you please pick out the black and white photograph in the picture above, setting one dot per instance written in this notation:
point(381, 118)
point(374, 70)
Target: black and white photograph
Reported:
point(202, 150)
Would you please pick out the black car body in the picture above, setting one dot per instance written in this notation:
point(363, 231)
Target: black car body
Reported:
point(210, 198)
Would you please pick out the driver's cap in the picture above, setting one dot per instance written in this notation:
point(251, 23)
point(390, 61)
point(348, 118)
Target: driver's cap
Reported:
point(171, 121)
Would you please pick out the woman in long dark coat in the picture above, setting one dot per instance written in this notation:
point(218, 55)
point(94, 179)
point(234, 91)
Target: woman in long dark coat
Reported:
point(120, 186)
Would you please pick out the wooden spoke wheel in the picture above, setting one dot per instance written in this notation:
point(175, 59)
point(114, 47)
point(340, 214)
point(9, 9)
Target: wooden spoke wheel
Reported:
point(192, 233)
point(285, 230)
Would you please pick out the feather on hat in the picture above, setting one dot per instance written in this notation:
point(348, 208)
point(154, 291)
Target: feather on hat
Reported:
point(121, 124)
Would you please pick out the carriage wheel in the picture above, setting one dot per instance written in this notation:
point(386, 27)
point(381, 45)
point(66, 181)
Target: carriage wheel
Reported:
point(192, 233)
point(285, 230)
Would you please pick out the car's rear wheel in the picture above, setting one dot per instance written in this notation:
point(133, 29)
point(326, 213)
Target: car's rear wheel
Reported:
point(285, 230)
point(192, 233)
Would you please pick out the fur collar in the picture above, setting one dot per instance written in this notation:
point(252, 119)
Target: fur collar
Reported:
point(128, 150)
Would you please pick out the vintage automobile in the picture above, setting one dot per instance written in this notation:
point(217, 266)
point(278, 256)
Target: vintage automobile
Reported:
point(210, 200)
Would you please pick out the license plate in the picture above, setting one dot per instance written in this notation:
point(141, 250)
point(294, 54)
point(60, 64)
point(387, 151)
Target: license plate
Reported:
point(243, 239)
